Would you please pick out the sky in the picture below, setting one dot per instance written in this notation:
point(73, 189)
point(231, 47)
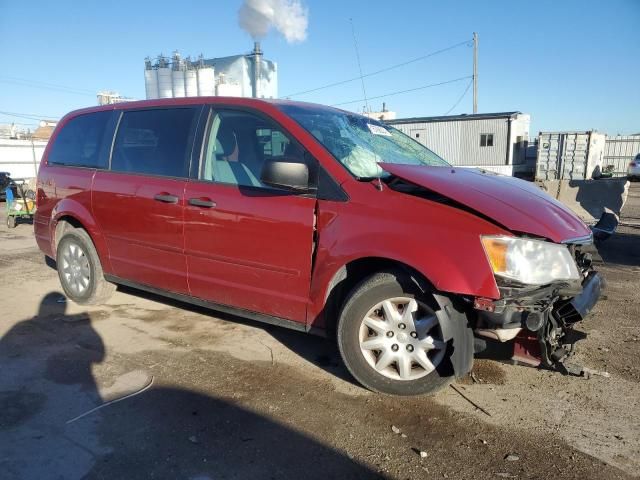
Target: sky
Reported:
point(572, 65)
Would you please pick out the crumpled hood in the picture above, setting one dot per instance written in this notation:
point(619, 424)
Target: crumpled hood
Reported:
point(516, 204)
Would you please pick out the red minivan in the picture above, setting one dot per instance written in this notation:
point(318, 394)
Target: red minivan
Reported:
point(316, 219)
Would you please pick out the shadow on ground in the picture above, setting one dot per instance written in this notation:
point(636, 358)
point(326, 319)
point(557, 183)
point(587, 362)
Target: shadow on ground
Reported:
point(47, 384)
point(621, 249)
point(320, 351)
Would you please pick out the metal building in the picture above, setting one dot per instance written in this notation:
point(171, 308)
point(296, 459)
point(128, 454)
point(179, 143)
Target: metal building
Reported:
point(247, 75)
point(491, 141)
point(21, 158)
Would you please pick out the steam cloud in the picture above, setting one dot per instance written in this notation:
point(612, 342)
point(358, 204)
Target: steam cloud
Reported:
point(288, 17)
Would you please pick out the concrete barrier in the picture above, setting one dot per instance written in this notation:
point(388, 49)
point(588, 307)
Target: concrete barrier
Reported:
point(589, 199)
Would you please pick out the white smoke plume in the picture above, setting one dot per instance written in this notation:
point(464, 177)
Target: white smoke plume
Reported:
point(289, 17)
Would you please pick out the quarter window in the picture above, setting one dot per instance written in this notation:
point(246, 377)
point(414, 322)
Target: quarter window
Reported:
point(238, 145)
point(79, 141)
point(486, 139)
point(155, 142)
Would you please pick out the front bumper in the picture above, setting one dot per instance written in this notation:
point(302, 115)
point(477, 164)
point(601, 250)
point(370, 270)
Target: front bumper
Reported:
point(527, 306)
point(577, 308)
point(542, 321)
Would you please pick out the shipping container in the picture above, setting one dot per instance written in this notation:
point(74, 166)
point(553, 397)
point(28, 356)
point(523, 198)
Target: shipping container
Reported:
point(569, 155)
point(491, 141)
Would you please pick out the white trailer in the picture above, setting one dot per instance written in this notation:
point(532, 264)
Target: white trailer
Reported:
point(490, 141)
point(21, 158)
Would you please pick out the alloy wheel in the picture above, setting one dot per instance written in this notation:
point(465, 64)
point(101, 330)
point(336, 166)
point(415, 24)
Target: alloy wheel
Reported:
point(76, 271)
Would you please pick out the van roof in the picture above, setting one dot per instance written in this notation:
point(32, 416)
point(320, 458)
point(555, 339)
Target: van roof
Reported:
point(235, 101)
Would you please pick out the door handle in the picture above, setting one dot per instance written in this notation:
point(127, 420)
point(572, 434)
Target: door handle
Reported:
point(166, 198)
point(202, 202)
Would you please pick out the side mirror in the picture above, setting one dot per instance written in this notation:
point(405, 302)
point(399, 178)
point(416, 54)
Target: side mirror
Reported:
point(286, 174)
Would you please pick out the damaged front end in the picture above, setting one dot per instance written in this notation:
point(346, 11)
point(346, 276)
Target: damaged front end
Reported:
point(540, 319)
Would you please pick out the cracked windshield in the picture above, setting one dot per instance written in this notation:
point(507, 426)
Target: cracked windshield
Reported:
point(359, 143)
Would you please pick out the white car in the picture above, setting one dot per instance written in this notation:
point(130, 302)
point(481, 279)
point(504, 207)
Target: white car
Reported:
point(633, 171)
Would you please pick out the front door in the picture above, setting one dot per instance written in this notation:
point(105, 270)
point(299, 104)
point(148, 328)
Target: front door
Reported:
point(248, 245)
point(139, 203)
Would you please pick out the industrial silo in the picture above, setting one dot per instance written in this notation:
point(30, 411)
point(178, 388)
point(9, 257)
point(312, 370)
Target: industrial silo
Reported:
point(177, 76)
point(165, 84)
point(190, 80)
point(229, 90)
point(206, 81)
point(150, 79)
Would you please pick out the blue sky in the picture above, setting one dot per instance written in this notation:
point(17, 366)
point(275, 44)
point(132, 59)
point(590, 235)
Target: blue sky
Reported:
point(573, 65)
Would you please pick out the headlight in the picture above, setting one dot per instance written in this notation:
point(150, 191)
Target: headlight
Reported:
point(533, 262)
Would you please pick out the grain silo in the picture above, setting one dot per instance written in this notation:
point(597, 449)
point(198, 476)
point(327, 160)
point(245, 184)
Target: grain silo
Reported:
point(165, 83)
point(177, 76)
point(150, 79)
point(190, 80)
point(247, 75)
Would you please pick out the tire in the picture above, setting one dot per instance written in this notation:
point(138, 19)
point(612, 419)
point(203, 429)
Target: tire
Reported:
point(11, 221)
point(393, 302)
point(79, 269)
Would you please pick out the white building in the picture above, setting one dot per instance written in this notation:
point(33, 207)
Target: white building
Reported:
point(491, 141)
point(247, 75)
point(21, 158)
point(382, 115)
point(110, 98)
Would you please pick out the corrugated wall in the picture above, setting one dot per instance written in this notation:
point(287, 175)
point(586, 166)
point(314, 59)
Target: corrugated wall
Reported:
point(21, 158)
point(619, 151)
point(458, 142)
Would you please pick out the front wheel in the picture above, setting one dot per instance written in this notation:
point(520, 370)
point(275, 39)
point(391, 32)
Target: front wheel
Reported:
point(11, 221)
point(391, 339)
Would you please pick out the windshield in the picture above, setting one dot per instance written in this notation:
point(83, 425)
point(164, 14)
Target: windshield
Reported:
point(359, 143)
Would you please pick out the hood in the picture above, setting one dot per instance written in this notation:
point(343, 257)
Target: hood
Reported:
point(516, 204)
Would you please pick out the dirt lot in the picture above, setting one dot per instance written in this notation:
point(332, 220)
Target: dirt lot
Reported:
point(220, 397)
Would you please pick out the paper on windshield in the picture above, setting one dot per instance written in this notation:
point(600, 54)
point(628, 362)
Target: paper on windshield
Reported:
point(378, 130)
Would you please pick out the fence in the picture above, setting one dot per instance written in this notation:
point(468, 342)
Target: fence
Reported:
point(619, 151)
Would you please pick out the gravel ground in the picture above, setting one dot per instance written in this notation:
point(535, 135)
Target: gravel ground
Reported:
point(222, 397)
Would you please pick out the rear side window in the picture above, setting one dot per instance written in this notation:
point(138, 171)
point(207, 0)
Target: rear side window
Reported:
point(80, 140)
point(155, 142)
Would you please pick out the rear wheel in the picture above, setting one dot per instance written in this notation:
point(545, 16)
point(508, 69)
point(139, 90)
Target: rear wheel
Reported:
point(390, 337)
point(11, 221)
point(79, 269)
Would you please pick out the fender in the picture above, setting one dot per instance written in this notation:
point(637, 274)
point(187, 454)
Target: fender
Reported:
point(68, 207)
point(438, 241)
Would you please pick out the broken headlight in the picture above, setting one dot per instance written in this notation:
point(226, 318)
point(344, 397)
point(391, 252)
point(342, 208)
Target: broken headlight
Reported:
point(532, 262)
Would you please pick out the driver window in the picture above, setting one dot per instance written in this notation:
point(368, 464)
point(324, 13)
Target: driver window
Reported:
point(238, 145)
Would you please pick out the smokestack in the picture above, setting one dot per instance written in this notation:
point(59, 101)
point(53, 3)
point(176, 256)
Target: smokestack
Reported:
point(257, 64)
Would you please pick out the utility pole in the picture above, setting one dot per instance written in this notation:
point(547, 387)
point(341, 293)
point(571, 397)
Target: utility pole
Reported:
point(475, 72)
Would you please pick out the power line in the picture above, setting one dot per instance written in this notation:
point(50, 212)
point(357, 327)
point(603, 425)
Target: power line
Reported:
point(355, 44)
point(377, 72)
point(461, 96)
point(29, 116)
point(405, 91)
point(45, 86)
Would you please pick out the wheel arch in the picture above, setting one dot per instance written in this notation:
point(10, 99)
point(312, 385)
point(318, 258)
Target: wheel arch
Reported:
point(77, 216)
point(347, 276)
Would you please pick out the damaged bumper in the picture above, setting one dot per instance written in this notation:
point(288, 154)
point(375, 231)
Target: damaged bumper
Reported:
point(577, 309)
point(539, 320)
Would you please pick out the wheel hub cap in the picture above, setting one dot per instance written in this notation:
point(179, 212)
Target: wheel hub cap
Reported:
point(402, 339)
